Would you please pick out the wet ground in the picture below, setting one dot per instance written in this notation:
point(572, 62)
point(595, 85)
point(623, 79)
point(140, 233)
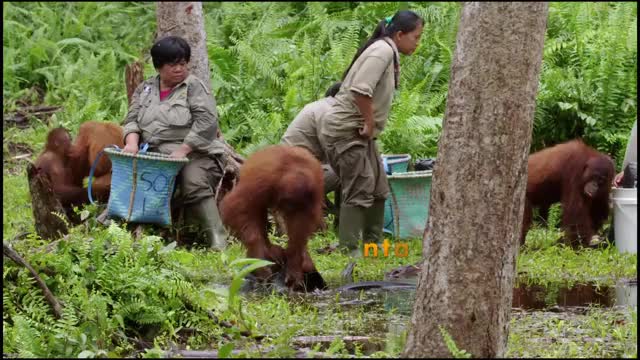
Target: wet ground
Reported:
point(375, 315)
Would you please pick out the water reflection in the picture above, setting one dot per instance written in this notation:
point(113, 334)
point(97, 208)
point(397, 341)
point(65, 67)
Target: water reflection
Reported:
point(400, 295)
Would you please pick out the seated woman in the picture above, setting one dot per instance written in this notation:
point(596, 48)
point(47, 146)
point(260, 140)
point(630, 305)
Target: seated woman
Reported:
point(175, 114)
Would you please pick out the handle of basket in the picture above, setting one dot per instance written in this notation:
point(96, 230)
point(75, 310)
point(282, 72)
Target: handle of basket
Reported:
point(143, 149)
point(385, 164)
point(93, 169)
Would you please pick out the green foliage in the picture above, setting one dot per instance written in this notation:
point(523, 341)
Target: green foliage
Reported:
point(545, 261)
point(75, 53)
point(598, 333)
point(270, 59)
point(588, 83)
point(108, 284)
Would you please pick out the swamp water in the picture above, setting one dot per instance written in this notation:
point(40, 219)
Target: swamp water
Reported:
point(374, 315)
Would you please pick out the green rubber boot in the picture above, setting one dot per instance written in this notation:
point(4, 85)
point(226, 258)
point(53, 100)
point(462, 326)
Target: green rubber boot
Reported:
point(350, 228)
point(207, 214)
point(374, 223)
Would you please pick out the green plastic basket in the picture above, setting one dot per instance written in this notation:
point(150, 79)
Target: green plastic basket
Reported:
point(410, 192)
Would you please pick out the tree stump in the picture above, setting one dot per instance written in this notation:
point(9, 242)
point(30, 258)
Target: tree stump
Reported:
point(134, 75)
point(43, 204)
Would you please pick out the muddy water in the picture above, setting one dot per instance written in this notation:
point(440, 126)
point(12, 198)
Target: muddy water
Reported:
point(401, 295)
point(385, 306)
point(379, 311)
point(538, 297)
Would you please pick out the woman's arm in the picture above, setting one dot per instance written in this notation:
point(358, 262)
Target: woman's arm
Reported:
point(205, 120)
point(365, 105)
point(131, 130)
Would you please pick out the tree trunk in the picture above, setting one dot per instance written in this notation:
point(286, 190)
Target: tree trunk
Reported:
point(477, 198)
point(43, 204)
point(185, 19)
point(134, 75)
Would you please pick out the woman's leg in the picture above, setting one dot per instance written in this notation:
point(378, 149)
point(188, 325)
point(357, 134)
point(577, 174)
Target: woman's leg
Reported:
point(198, 180)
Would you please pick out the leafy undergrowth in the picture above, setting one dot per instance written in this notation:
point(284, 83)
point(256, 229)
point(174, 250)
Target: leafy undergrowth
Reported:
point(545, 261)
point(598, 333)
point(139, 297)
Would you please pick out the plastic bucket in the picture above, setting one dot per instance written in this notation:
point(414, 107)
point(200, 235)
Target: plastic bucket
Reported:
point(410, 195)
point(393, 163)
point(625, 219)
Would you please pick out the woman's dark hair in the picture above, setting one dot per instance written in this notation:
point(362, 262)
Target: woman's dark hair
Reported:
point(170, 50)
point(333, 89)
point(404, 20)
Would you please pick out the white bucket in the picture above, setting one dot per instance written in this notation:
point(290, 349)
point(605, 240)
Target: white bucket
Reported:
point(625, 219)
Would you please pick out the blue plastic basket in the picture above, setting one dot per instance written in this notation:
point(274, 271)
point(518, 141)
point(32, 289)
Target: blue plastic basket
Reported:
point(393, 164)
point(396, 163)
point(142, 186)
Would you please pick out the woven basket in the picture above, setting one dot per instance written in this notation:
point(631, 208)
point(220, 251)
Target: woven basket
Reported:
point(142, 186)
point(410, 192)
point(397, 164)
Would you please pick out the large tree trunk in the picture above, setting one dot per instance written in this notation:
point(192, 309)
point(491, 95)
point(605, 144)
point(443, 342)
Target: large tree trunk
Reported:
point(477, 198)
point(185, 19)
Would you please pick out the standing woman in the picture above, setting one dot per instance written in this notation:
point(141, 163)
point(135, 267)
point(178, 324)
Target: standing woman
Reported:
point(351, 126)
point(175, 114)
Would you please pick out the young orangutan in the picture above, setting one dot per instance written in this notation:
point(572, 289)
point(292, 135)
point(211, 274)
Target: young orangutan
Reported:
point(288, 180)
point(54, 161)
point(68, 164)
point(93, 137)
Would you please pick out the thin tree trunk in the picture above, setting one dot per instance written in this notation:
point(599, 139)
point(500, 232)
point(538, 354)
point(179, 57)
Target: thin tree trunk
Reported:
point(477, 198)
point(185, 19)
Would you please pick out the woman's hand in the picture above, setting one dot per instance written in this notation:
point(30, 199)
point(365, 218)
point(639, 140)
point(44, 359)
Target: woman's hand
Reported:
point(365, 105)
point(181, 152)
point(366, 131)
point(617, 181)
point(131, 143)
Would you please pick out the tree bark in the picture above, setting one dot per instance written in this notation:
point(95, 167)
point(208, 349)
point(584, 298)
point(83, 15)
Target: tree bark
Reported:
point(185, 19)
point(477, 197)
point(43, 204)
point(134, 75)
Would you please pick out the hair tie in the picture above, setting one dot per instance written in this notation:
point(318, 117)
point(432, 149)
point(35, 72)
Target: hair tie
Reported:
point(387, 20)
